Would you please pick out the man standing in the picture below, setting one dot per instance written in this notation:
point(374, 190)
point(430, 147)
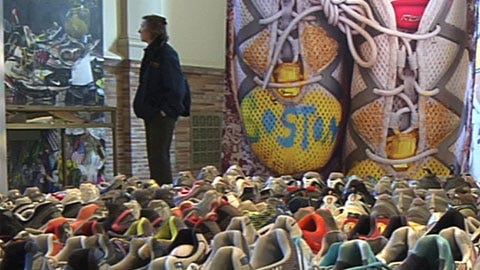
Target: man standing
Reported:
point(163, 95)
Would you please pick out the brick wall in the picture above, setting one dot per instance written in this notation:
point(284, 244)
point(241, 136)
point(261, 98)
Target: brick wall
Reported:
point(121, 81)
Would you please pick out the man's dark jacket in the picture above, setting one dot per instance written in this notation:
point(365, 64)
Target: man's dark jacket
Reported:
point(162, 87)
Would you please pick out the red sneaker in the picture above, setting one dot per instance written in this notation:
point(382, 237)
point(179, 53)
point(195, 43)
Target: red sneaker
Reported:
point(314, 229)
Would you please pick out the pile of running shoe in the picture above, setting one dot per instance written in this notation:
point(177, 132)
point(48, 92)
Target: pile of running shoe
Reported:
point(40, 66)
point(234, 221)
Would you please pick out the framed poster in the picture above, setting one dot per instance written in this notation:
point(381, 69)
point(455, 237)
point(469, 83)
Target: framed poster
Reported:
point(54, 93)
point(53, 52)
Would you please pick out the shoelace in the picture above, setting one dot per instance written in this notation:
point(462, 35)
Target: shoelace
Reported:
point(409, 85)
point(406, 58)
point(350, 16)
point(342, 14)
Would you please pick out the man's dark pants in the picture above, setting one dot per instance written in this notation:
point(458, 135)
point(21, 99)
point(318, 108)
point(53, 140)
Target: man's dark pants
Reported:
point(159, 133)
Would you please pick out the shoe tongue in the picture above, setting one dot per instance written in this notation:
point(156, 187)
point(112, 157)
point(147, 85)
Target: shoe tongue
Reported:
point(408, 13)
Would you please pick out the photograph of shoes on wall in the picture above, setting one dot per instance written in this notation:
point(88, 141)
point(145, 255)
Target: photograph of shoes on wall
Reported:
point(53, 52)
point(295, 102)
point(288, 87)
point(410, 106)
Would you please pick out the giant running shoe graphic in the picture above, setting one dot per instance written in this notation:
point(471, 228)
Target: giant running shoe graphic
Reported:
point(407, 103)
point(291, 81)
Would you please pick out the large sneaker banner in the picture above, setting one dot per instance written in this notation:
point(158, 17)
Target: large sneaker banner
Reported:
point(368, 87)
point(475, 141)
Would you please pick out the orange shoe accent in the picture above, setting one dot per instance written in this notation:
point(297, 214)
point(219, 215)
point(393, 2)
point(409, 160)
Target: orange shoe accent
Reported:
point(314, 229)
point(84, 215)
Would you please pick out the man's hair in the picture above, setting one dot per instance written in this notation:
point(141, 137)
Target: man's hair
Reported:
point(157, 25)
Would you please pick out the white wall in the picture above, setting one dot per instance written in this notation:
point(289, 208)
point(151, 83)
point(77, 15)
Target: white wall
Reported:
point(196, 29)
point(111, 28)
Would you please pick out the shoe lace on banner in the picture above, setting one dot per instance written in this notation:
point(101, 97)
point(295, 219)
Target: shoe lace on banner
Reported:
point(350, 16)
point(407, 58)
point(277, 45)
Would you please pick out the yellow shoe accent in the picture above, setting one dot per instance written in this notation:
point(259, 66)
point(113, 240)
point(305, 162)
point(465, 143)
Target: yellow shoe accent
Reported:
point(256, 52)
point(439, 122)
point(288, 73)
point(291, 138)
point(140, 227)
point(168, 230)
point(417, 227)
point(433, 164)
point(369, 122)
point(366, 168)
point(319, 49)
point(400, 146)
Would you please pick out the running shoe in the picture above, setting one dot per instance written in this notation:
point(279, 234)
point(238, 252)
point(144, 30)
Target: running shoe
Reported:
point(132, 260)
point(418, 212)
point(430, 252)
point(400, 243)
point(187, 248)
point(353, 254)
point(408, 89)
point(275, 250)
point(403, 198)
point(291, 82)
point(314, 228)
point(461, 246)
point(227, 239)
point(208, 173)
point(245, 227)
point(184, 178)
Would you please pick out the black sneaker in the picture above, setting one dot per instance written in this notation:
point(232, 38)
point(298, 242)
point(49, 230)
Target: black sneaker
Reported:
point(10, 226)
point(429, 181)
point(34, 194)
point(455, 181)
point(18, 254)
point(357, 186)
point(43, 212)
point(119, 218)
point(86, 258)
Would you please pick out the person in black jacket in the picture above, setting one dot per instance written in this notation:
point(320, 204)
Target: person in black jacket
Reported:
point(162, 96)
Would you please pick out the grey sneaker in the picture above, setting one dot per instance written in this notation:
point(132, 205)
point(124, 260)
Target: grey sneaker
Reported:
point(403, 198)
point(461, 246)
point(208, 173)
point(183, 179)
point(400, 243)
point(281, 255)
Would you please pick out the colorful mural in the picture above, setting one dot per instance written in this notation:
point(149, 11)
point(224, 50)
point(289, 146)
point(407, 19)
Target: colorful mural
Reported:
point(290, 74)
point(409, 107)
point(296, 102)
point(53, 52)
